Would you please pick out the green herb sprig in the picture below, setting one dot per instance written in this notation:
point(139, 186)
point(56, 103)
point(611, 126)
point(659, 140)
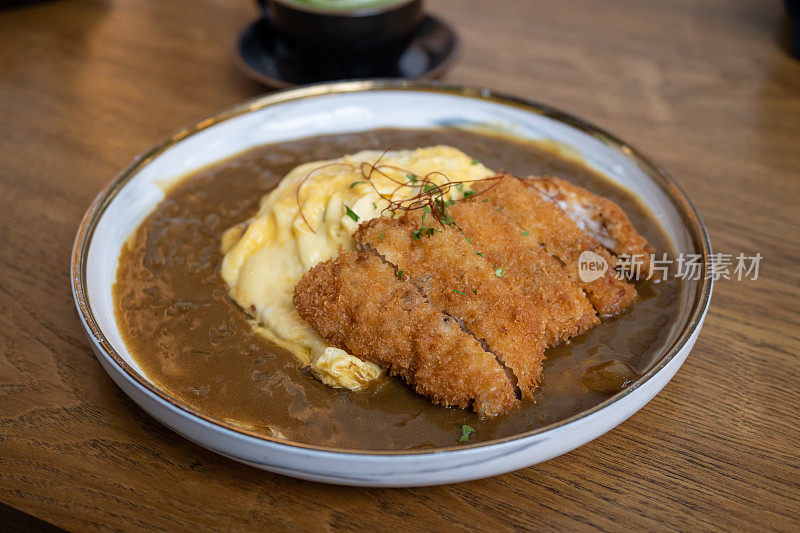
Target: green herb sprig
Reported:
point(466, 432)
point(352, 214)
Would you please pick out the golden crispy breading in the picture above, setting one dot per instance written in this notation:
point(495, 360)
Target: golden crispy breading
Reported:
point(448, 272)
point(560, 236)
point(357, 303)
point(506, 245)
point(599, 217)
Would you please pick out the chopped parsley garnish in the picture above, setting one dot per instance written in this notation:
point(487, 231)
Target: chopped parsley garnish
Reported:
point(460, 187)
point(468, 194)
point(475, 291)
point(469, 241)
point(480, 254)
point(525, 233)
point(450, 202)
point(374, 205)
point(352, 214)
point(485, 200)
point(356, 183)
point(499, 272)
point(417, 233)
point(424, 230)
point(399, 274)
point(428, 187)
point(380, 235)
point(459, 292)
point(466, 431)
point(474, 162)
point(412, 178)
point(449, 221)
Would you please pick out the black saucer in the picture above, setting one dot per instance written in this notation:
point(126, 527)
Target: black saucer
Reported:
point(269, 58)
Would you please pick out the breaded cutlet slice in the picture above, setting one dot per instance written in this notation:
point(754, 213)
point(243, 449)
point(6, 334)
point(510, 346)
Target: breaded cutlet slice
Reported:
point(357, 303)
point(560, 236)
point(601, 218)
point(464, 285)
point(506, 245)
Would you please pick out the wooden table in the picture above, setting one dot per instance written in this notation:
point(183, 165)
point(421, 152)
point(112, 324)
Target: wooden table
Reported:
point(705, 88)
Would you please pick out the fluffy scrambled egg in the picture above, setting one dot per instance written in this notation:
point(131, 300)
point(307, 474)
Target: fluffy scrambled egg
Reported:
point(265, 258)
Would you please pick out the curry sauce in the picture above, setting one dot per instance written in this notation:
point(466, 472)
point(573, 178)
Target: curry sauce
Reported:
point(194, 342)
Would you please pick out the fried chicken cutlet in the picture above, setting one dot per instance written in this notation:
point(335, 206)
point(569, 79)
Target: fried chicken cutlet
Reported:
point(601, 218)
point(560, 236)
point(358, 303)
point(506, 245)
point(446, 269)
point(461, 298)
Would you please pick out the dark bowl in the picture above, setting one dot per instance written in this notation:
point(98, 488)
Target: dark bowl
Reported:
point(364, 30)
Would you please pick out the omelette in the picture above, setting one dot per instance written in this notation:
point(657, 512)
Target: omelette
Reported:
point(309, 218)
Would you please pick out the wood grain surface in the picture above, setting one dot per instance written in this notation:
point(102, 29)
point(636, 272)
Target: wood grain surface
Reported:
point(705, 88)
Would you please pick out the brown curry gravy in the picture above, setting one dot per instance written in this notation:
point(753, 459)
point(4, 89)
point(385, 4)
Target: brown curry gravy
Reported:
point(196, 344)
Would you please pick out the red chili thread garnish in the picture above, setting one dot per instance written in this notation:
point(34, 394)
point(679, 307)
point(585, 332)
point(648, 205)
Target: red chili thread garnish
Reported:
point(430, 195)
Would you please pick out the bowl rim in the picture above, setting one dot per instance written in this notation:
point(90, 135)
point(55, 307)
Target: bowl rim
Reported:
point(91, 218)
point(349, 14)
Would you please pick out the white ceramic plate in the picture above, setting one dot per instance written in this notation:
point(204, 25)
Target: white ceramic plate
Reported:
point(356, 106)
